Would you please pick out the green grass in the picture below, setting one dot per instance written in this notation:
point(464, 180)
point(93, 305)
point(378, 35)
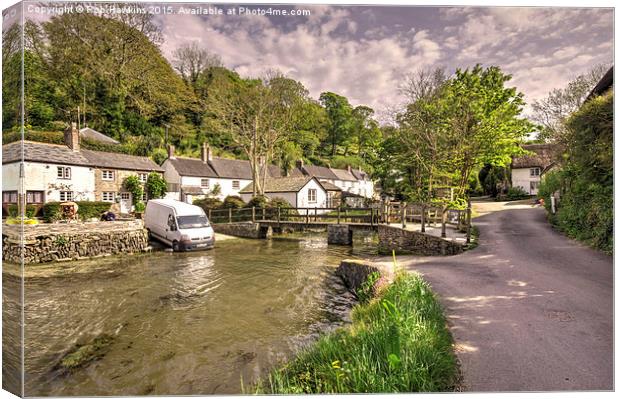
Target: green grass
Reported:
point(398, 342)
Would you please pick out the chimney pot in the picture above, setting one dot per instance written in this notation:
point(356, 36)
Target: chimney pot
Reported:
point(171, 152)
point(349, 168)
point(205, 153)
point(299, 164)
point(72, 137)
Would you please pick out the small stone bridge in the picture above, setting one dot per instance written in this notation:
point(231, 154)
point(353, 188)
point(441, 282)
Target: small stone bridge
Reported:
point(403, 228)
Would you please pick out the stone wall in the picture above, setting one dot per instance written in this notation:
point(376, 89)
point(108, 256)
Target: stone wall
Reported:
point(415, 243)
point(72, 241)
point(339, 234)
point(355, 273)
point(244, 230)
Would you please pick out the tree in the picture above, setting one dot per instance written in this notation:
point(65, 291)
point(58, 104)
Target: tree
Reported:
point(155, 186)
point(339, 115)
point(552, 111)
point(192, 61)
point(481, 119)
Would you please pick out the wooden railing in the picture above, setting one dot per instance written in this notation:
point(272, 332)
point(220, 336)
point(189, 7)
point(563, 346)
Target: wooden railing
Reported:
point(387, 213)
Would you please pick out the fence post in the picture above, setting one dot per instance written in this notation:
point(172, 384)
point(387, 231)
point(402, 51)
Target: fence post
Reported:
point(229, 215)
point(209, 214)
point(444, 219)
point(278, 216)
point(423, 218)
point(468, 221)
point(315, 215)
point(253, 214)
point(372, 216)
point(307, 215)
point(403, 214)
point(263, 213)
point(338, 215)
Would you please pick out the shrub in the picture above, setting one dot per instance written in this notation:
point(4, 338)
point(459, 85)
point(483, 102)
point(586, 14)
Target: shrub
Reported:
point(208, 203)
point(134, 186)
point(86, 210)
point(259, 201)
point(516, 193)
point(30, 212)
point(233, 201)
point(139, 207)
point(155, 186)
point(278, 202)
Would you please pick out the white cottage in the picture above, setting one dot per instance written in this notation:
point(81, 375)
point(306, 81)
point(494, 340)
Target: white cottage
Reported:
point(527, 170)
point(299, 191)
point(192, 178)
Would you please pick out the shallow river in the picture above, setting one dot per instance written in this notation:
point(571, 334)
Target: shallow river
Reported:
point(195, 323)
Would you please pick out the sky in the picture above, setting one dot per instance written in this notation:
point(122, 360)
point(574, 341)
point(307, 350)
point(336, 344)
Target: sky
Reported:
point(363, 52)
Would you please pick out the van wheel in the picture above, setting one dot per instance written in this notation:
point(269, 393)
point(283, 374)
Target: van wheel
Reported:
point(175, 246)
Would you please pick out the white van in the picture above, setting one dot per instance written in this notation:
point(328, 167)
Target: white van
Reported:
point(183, 226)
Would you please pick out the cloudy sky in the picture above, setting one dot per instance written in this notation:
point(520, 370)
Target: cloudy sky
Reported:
point(362, 52)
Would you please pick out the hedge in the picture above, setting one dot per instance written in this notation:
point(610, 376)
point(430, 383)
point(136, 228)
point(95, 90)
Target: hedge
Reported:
point(86, 210)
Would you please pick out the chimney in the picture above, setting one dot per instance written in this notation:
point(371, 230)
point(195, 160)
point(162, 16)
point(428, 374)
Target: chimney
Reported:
point(72, 137)
point(205, 153)
point(171, 152)
point(349, 168)
point(299, 164)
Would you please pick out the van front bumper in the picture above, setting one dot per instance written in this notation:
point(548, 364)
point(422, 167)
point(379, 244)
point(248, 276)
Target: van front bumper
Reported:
point(197, 245)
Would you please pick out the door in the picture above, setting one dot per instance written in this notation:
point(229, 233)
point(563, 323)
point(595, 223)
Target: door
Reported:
point(125, 202)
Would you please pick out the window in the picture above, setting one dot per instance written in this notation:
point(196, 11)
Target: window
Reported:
point(107, 174)
point(63, 172)
point(66, 195)
point(534, 172)
point(34, 197)
point(9, 197)
point(312, 195)
point(236, 184)
point(204, 183)
point(108, 196)
point(143, 177)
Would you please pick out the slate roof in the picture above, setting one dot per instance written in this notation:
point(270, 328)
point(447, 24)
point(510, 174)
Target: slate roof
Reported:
point(320, 172)
point(359, 174)
point(218, 167)
point(281, 185)
point(329, 186)
point(61, 154)
point(192, 167)
point(92, 134)
point(343, 174)
point(543, 157)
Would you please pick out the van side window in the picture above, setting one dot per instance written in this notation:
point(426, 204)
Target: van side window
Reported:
point(171, 223)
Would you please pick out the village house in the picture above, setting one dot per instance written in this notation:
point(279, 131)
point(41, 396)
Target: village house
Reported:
point(527, 170)
point(191, 178)
point(299, 191)
point(69, 173)
point(355, 184)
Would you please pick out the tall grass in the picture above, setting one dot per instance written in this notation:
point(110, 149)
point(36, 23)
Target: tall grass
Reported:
point(398, 342)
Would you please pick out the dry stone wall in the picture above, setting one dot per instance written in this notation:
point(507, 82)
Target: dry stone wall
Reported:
point(413, 242)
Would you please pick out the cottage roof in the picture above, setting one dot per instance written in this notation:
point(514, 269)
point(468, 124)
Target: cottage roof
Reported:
point(320, 172)
point(543, 157)
point(359, 174)
point(281, 185)
point(329, 186)
point(605, 83)
point(92, 134)
point(192, 167)
point(343, 174)
point(115, 160)
point(61, 154)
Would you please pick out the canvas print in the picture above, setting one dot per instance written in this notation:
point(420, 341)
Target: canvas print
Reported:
point(224, 198)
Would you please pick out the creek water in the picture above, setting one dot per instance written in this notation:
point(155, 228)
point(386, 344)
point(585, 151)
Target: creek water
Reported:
point(209, 322)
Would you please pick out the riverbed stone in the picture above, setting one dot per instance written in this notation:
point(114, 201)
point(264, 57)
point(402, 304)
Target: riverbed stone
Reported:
point(354, 273)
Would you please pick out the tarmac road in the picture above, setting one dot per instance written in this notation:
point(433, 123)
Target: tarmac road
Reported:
point(529, 309)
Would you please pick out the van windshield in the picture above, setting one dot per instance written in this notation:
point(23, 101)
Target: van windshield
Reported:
point(192, 222)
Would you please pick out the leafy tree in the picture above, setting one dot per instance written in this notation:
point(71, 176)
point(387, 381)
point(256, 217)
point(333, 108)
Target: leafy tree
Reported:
point(134, 186)
point(339, 115)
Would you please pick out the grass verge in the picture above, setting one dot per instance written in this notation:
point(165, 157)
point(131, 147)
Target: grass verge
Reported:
point(398, 342)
